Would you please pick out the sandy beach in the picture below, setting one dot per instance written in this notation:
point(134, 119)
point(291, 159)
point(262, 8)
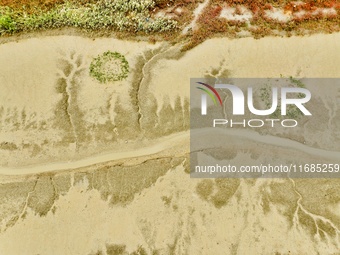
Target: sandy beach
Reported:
point(118, 189)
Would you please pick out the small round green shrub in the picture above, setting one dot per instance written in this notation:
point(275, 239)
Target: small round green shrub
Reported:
point(110, 66)
point(7, 23)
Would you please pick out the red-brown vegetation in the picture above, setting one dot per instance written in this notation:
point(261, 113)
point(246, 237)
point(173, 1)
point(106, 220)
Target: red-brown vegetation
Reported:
point(30, 5)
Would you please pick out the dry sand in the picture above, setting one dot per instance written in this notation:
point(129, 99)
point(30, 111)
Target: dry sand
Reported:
point(151, 203)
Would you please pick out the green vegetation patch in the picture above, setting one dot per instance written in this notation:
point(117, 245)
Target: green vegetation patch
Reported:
point(110, 66)
point(6, 21)
point(112, 15)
